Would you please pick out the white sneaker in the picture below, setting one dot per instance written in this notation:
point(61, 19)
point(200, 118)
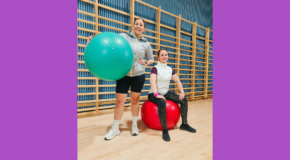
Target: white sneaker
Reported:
point(135, 130)
point(112, 133)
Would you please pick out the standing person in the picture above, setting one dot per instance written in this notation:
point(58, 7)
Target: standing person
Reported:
point(134, 79)
point(160, 77)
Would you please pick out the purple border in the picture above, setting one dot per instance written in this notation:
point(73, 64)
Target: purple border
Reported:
point(251, 80)
point(38, 80)
point(38, 83)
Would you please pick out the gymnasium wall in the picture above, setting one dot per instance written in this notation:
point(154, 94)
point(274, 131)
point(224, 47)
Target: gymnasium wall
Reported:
point(195, 74)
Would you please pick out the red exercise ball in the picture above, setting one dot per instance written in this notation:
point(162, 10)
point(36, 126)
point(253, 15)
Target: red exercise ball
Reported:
point(149, 114)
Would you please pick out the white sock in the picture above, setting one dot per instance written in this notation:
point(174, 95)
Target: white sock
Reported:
point(134, 118)
point(116, 124)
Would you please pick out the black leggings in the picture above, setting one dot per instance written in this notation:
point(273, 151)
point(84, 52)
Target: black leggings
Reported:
point(162, 106)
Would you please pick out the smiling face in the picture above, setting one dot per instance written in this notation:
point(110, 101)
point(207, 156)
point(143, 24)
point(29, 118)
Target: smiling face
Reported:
point(139, 27)
point(163, 56)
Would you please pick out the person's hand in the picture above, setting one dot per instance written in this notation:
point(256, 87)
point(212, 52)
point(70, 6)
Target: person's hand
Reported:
point(162, 97)
point(181, 96)
point(141, 61)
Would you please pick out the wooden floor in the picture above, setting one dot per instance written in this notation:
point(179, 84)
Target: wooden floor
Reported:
point(148, 144)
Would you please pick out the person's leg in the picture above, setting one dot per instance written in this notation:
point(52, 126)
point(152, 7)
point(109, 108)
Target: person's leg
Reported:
point(183, 110)
point(136, 88)
point(162, 114)
point(122, 88)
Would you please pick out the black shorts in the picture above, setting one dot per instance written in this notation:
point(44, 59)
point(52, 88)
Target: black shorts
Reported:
point(136, 84)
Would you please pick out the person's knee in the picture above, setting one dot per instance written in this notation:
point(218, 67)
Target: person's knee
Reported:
point(184, 101)
point(161, 103)
point(135, 101)
point(119, 102)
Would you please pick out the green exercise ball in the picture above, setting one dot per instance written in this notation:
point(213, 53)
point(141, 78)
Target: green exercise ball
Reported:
point(109, 56)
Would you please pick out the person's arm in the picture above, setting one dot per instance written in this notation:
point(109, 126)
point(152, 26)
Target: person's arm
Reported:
point(149, 55)
point(179, 85)
point(89, 39)
point(153, 78)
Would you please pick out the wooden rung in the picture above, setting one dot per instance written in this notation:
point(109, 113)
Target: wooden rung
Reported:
point(200, 49)
point(185, 55)
point(186, 45)
point(87, 78)
point(168, 41)
point(186, 60)
point(199, 83)
point(185, 69)
point(201, 26)
point(88, 1)
point(187, 20)
point(209, 46)
point(107, 85)
point(88, 101)
point(81, 45)
point(113, 9)
point(201, 58)
point(168, 35)
point(81, 61)
point(153, 43)
point(162, 25)
point(85, 21)
point(186, 33)
point(185, 78)
point(83, 70)
point(82, 37)
point(108, 19)
point(188, 88)
point(80, 53)
point(86, 13)
point(150, 37)
point(210, 51)
point(199, 87)
point(169, 13)
point(173, 53)
point(199, 62)
point(151, 31)
point(86, 86)
point(200, 75)
point(200, 70)
point(186, 74)
point(146, 4)
point(201, 53)
point(84, 94)
point(118, 29)
point(168, 46)
point(88, 30)
point(200, 38)
point(186, 40)
point(186, 50)
point(200, 44)
point(185, 64)
point(209, 63)
point(210, 41)
point(86, 109)
point(200, 66)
